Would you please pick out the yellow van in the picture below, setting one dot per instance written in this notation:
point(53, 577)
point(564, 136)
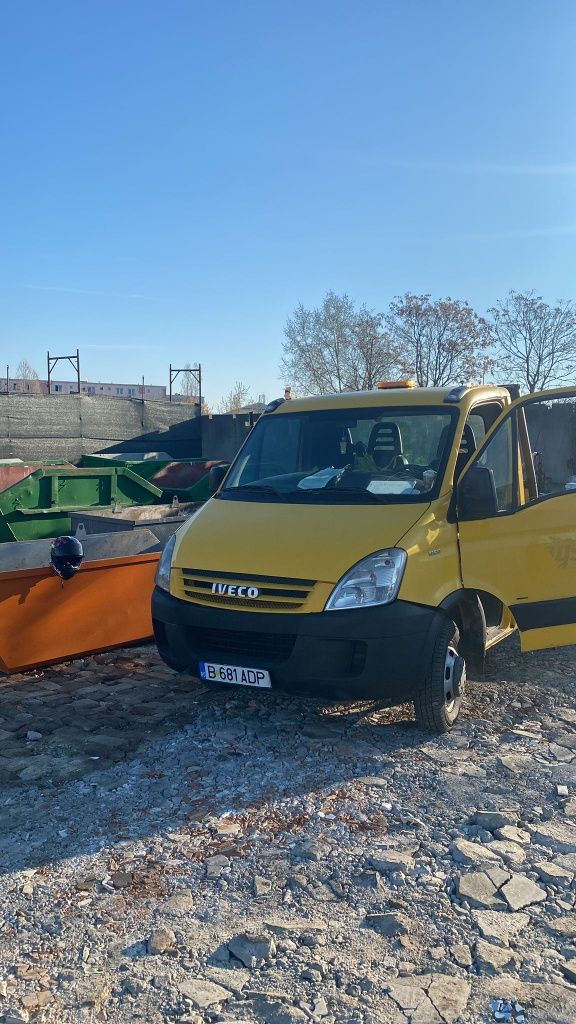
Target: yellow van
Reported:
point(375, 544)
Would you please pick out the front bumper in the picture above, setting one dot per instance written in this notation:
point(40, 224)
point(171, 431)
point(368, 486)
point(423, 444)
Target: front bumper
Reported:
point(382, 652)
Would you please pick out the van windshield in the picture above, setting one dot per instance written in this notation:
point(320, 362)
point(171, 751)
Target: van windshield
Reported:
point(335, 456)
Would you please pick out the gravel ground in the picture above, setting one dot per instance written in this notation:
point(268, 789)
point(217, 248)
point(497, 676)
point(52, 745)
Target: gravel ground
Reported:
point(176, 854)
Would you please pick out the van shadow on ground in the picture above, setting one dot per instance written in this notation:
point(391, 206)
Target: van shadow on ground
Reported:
point(117, 747)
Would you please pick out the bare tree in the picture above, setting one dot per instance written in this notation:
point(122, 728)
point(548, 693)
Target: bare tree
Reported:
point(235, 399)
point(30, 376)
point(536, 343)
point(438, 342)
point(188, 385)
point(335, 347)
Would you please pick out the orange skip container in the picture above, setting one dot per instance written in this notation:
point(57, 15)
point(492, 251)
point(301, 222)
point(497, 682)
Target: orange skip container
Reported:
point(106, 605)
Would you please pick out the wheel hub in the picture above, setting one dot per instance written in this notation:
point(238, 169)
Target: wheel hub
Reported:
point(454, 676)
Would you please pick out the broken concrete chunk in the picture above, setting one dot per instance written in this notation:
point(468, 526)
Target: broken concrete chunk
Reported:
point(522, 892)
point(565, 925)
point(553, 874)
point(493, 958)
point(497, 875)
point(559, 836)
point(513, 834)
point(511, 853)
point(252, 948)
point(296, 927)
point(480, 891)
point(449, 996)
point(516, 764)
point(472, 854)
point(498, 927)
point(388, 925)
point(392, 860)
point(203, 993)
point(491, 820)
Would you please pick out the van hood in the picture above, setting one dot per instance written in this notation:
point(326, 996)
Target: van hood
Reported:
point(319, 542)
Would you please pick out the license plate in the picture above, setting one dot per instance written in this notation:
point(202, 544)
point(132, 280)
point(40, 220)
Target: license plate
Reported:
point(234, 674)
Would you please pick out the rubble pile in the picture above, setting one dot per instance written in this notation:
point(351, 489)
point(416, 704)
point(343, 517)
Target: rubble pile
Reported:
point(177, 854)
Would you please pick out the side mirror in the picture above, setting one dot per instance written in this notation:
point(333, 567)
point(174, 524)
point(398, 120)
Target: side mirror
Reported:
point(216, 476)
point(476, 494)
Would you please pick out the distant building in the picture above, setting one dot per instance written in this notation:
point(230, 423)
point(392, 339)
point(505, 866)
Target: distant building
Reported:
point(255, 407)
point(152, 392)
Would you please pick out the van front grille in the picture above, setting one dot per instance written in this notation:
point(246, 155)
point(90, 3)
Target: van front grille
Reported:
point(241, 592)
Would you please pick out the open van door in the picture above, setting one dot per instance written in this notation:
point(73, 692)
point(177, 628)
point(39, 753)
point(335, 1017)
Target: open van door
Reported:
point(516, 511)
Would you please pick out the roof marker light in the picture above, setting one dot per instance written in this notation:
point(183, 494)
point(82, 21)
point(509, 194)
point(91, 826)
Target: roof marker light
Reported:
point(385, 385)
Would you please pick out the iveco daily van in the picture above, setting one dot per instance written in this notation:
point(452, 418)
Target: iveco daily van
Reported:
point(376, 544)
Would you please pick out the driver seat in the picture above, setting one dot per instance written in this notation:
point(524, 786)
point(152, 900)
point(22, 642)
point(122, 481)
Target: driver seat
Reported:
point(385, 445)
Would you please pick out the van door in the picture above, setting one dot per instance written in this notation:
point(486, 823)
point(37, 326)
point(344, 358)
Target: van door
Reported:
point(516, 511)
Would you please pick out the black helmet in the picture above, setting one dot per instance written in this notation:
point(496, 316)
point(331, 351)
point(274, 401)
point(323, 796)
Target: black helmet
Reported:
point(66, 554)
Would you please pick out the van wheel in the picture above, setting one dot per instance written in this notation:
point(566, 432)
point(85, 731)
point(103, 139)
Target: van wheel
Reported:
point(437, 703)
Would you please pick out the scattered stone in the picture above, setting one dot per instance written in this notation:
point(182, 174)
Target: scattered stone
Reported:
point(252, 948)
point(162, 940)
point(262, 886)
point(121, 879)
point(216, 865)
point(181, 902)
point(461, 954)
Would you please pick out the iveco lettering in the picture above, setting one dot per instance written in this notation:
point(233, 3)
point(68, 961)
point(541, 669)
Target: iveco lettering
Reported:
point(234, 591)
point(377, 544)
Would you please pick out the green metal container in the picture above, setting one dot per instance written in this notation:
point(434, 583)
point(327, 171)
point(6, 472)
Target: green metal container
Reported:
point(149, 465)
point(39, 506)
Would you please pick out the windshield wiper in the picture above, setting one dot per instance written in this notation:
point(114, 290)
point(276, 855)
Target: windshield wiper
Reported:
point(261, 488)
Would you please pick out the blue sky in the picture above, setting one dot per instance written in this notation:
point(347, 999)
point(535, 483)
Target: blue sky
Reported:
point(176, 176)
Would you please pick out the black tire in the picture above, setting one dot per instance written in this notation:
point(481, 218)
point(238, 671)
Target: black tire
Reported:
point(438, 701)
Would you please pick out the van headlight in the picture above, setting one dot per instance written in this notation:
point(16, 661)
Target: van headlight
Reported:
point(374, 580)
point(165, 565)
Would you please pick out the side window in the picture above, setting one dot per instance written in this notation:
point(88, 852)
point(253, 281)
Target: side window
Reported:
point(498, 458)
point(549, 456)
point(475, 429)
